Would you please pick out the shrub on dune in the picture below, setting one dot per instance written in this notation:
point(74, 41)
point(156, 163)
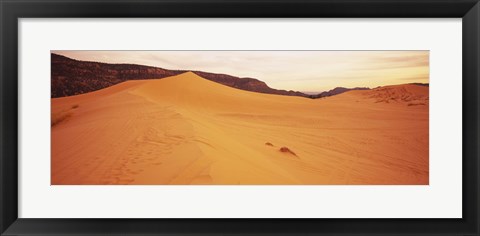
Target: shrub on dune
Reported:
point(287, 150)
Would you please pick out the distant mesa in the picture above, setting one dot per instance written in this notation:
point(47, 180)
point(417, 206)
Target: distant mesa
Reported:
point(336, 91)
point(248, 84)
point(421, 84)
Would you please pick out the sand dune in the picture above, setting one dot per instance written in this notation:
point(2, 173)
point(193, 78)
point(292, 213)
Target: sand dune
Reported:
point(188, 130)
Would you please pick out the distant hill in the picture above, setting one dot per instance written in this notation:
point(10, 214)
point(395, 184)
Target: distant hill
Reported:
point(421, 84)
point(72, 77)
point(336, 91)
point(248, 84)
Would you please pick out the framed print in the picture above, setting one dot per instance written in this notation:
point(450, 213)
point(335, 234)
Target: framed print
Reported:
point(173, 133)
point(225, 117)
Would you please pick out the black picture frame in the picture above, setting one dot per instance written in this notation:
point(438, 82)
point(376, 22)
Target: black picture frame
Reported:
point(11, 11)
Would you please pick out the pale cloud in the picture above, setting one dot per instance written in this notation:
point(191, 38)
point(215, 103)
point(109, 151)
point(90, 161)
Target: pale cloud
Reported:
point(292, 70)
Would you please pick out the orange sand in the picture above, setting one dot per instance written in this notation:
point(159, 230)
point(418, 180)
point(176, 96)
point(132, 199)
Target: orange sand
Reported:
point(188, 130)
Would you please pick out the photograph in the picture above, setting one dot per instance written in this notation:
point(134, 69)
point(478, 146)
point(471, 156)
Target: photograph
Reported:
point(275, 117)
point(239, 117)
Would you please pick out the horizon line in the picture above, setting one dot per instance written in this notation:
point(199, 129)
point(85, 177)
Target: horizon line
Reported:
point(306, 92)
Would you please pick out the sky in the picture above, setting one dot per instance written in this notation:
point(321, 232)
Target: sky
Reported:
point(306, 71)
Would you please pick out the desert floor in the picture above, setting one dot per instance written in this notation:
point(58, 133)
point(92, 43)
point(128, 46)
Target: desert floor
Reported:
point(188, 130)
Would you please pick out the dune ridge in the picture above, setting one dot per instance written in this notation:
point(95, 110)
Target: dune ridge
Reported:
point(185, 129)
